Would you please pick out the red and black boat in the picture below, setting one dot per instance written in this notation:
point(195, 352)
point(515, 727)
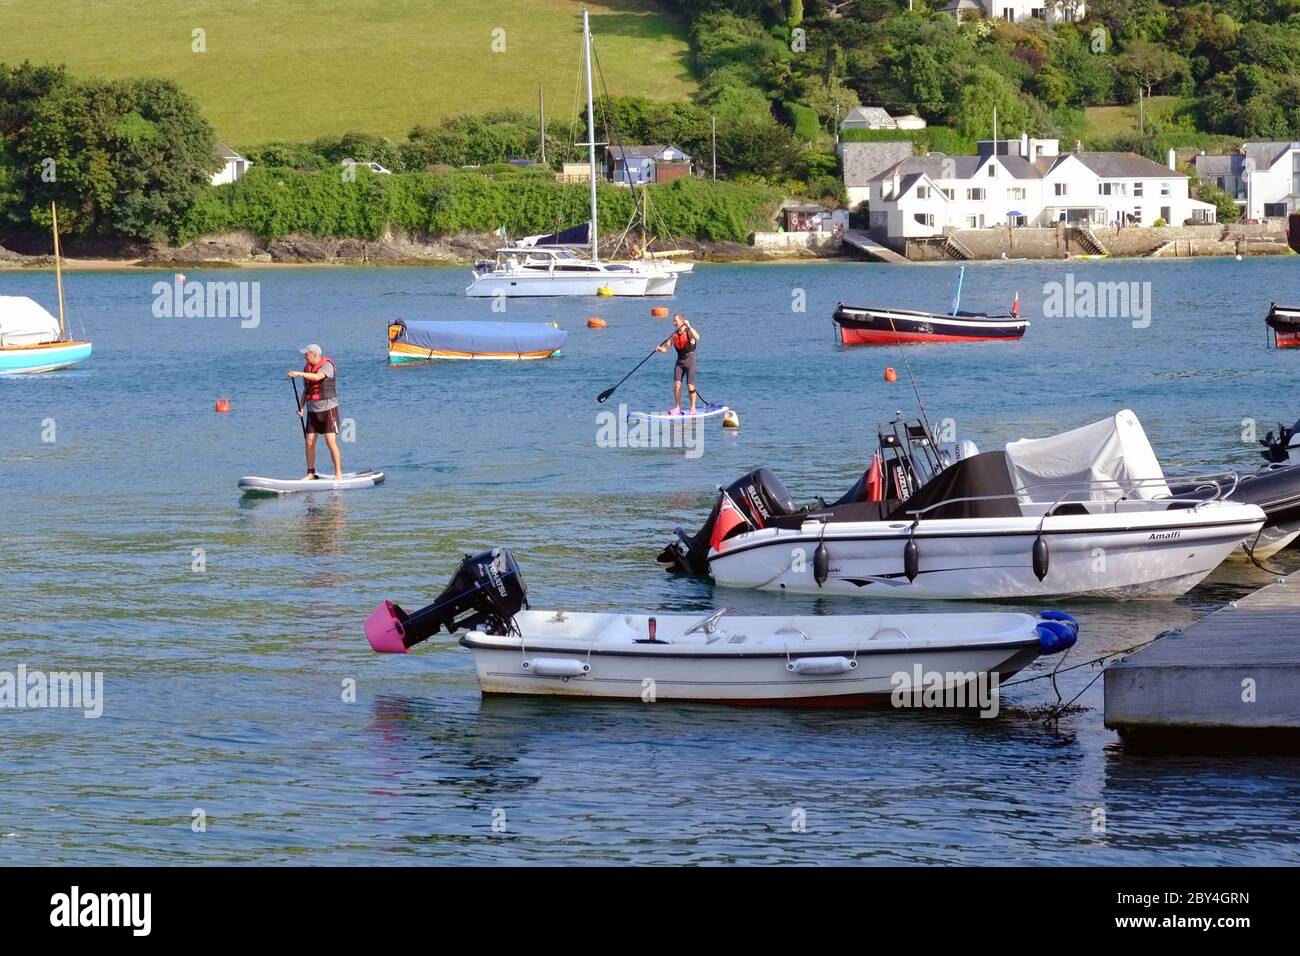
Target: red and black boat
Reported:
point(862, 325)
point(1284, 320)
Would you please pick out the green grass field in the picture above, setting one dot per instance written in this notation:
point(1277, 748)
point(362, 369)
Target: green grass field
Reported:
point(295, 69)
point(1107, 121)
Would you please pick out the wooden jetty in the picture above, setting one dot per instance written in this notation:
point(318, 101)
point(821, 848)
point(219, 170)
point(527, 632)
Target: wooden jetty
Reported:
point(1232, 679)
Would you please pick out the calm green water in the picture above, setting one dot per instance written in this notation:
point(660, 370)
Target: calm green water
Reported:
point(224, 689)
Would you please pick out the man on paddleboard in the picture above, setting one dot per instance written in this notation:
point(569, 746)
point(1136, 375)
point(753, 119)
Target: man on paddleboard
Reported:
point(320, 407)
point(684, 340)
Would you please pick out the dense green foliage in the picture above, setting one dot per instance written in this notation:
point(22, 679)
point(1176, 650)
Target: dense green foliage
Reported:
point(276, 202)
point(126, 158)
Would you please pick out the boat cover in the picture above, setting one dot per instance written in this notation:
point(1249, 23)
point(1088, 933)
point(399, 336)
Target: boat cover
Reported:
point(577, 236)
point(1114, 451)
point(24, 321)
point(983, 481)
point(482, 338)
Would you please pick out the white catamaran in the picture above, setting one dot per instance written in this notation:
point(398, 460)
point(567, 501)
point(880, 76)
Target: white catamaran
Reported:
point(539, 270)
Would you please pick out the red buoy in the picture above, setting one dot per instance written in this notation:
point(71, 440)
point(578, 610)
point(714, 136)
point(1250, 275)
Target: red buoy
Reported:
point(891, 375)
point(595, 322)
point(223, 406)
point(659, 311)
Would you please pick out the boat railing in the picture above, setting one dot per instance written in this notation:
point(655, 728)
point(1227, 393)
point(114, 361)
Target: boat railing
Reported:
point(1213, 483)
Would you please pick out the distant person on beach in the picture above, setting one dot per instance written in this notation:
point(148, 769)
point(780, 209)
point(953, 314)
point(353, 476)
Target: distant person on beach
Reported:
point(320, 407)
point(684, 340)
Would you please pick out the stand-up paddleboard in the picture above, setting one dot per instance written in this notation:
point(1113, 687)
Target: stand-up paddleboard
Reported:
point(701, 413)
point(254, 485)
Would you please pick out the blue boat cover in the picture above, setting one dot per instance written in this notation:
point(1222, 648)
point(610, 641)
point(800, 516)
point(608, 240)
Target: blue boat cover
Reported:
point(483, 338)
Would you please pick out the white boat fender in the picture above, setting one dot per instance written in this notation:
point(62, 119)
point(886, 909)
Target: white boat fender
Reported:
point(1057, 631)
point(821, 665)
point(565, 667)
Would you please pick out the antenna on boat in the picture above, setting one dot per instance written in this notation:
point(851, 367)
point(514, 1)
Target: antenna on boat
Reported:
point(58, 270)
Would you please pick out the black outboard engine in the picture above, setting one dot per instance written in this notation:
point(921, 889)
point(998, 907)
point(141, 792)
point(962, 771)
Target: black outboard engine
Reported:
point(485, 593)
point(760, 496)
point(1276, 449)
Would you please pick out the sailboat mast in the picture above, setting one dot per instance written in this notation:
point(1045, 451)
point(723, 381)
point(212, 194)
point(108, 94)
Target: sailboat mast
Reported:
point(58, 270)
point(591, 129)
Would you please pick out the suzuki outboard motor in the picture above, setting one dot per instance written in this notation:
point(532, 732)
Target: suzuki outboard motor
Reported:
point(485, 594)
point(760, 496)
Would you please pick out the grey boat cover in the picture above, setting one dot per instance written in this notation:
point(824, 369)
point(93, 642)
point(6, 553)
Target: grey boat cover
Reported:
point(482, 338)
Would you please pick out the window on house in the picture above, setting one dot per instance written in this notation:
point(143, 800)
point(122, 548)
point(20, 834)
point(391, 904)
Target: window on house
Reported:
point(993, 170)
point(1060, 189)
point(924, 218)
point(975, 195)
point(1137, 188)
point(974, 222)
point(1016, 192)
point(922, 192)
point(949, 193)
point(1165, 189)
point(1038, 13)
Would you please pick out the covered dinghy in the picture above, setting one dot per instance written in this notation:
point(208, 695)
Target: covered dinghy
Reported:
point(418, 341)
point(1105, 461)
point(24, 321)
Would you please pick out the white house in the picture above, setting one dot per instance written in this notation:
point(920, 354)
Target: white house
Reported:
point(234, 168)
point(873, 117)
point(1263, 179)
point(1049, 11)
point(1027, 182)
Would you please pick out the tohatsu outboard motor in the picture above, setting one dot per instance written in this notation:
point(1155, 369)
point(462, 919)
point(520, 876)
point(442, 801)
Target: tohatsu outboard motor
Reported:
point(485, 594)
point(750, 503)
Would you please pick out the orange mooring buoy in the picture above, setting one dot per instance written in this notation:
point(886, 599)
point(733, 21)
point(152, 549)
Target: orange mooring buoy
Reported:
point(223, 406)
point(660, 311)
point(595, 322)
point(891, 375)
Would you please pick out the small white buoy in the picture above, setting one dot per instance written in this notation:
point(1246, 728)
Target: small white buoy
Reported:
point(1239, 257)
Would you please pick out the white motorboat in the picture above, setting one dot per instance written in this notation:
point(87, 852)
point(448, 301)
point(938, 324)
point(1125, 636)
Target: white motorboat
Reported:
point(718, 657)
point(535, 270)
point(1087, 512)
point(520, 271)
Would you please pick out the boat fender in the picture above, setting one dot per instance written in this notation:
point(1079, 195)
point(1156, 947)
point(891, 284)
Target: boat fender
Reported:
point(821, 564)
point(1055, 636)
point(565, 667)
point(821, 665)
point(911, 560)
point(1042, 558)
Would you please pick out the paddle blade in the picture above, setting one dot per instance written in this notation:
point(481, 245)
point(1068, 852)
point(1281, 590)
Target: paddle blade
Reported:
point(603, 396)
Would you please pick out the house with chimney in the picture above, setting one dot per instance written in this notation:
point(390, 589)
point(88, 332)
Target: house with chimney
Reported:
point(1263, 178)
point(1027, 182)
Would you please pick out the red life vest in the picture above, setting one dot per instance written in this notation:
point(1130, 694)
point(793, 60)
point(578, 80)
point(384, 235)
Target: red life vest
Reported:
point(682, 342)
point(325, 388)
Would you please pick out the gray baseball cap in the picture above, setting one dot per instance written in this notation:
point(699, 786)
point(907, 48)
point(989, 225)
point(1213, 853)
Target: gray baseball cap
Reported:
point(314, 349)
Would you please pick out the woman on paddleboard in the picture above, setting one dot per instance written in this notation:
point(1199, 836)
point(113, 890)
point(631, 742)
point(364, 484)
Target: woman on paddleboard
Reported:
point(320, 408)
point(684, 340)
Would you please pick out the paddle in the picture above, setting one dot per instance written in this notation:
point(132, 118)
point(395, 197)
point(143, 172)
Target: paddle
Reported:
point(603, 396)
point(302, 419)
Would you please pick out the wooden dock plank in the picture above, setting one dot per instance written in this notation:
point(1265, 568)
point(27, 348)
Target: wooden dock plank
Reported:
point(864, 243)
point(1237, 669)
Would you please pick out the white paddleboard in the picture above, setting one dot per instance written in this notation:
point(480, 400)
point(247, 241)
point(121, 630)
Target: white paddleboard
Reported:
point(253, 484)
point(685, 415)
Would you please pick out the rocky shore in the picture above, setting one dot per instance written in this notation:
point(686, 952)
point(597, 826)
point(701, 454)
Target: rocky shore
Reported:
point(246, 249)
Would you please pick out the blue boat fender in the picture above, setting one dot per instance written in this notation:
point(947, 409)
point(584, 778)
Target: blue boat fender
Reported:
point(1057, 631)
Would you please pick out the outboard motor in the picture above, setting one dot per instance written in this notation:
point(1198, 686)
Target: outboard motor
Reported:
point(1276, 449)
point(760, 496)
point(485, 593)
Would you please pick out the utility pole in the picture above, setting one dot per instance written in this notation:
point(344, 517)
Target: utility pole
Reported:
point(541, 117)
point(715, 147)
point(837, 121)
point(1142, 112)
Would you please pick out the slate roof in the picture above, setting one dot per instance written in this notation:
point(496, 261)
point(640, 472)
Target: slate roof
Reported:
point(871, 115)
point(863, 162)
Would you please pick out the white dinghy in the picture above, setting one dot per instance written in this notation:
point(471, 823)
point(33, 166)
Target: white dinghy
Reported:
point(718, 657)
